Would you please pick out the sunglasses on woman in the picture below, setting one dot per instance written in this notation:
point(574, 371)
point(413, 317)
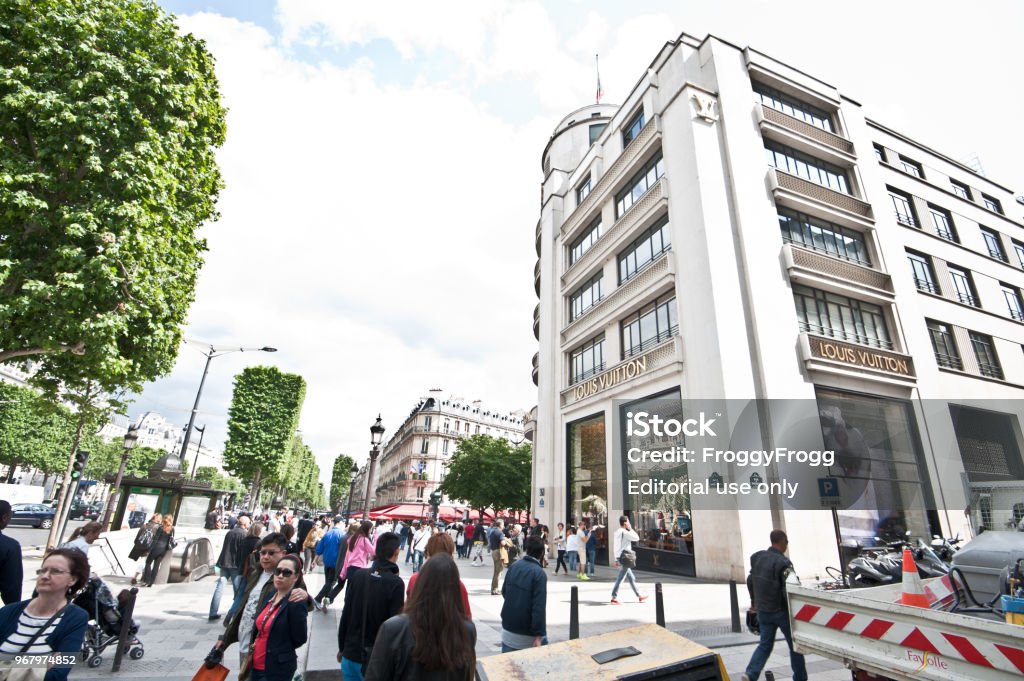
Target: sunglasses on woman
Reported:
point(284, 572)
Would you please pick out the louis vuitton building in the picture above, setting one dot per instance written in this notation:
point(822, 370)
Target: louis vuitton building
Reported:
point(740, 230)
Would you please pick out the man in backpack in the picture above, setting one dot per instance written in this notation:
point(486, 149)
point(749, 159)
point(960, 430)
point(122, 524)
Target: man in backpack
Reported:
point(767, 587)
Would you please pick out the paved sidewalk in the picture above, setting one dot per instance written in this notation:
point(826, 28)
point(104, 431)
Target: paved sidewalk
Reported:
point(177, 634)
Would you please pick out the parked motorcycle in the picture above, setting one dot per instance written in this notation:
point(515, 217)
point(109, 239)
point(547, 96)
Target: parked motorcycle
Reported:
point(945, 547)
point(877, 566)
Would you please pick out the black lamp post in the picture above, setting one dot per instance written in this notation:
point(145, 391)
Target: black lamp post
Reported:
point(130, 438)
point(210, 354)
point(351, 491)
point(376, 435)
point(199, 449)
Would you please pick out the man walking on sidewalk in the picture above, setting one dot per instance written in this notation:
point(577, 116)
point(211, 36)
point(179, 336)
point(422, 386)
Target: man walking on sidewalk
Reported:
point(329, 547)
point(230, 565)
point(524, 612)
point(625, 559)
point(767, 586)
point(495, 540)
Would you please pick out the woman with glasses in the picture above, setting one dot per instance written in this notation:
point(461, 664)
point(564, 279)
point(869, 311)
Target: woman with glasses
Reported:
point(433, 638)
point(49, 624)
point(280, 628)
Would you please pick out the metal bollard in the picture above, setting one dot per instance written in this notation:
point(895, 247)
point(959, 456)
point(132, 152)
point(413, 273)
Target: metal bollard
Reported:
point(659, 604)
point(126, 623)
point(769, 676)
point(574, 613)
point(734, 607)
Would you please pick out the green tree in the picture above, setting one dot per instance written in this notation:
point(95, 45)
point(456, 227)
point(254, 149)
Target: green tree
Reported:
point(341, 477)
point(488, 472)
point(109, 124)
point(262, 419)
point(218, 480)
point(34, 432)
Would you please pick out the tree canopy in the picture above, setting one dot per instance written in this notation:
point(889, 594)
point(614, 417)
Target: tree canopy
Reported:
point(262, 419)
point(34, 432)
point(109, 124)
point(488, 472)
point(341, 477)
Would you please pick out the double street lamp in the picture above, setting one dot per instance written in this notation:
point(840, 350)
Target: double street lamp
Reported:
point(130, 439)
point(210, 354)
point(351, 490)
point(376, 435)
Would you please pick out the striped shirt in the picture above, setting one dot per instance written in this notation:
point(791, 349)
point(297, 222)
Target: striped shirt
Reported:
point(28, 625)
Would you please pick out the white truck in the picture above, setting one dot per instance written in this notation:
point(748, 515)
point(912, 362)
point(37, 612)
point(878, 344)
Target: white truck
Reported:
point(872, 633)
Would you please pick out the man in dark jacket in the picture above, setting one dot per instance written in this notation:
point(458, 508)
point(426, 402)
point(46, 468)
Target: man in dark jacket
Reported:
point(229, 566)
point(523, 614)
point(10, 560)
point(767, 587)
point(305, 525)
point(374, 594)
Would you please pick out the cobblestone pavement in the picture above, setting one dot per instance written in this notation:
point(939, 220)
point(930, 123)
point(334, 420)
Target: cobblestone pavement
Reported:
point(177, 634)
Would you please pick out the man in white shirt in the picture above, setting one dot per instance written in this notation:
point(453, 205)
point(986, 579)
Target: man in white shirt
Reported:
point(623, 541)
point(419, 545)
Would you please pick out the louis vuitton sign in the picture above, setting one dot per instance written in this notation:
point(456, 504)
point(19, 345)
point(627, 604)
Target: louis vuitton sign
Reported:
point(860, 356)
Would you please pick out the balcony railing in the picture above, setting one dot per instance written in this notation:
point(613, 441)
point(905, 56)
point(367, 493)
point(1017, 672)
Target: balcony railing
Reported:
point(949, 361)
point(822, 194)
point(847, 335)
point(926, 285)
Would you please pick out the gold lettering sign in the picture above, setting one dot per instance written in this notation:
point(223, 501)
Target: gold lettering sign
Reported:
point(861, 357)
point(612, 377)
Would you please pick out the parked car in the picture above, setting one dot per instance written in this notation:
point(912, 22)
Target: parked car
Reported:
point(33, 515)
point(81, 509)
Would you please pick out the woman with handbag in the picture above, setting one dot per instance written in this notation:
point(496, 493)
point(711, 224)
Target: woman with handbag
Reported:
point(625, 558)
point(142, 544)
point(434, 637)
point(280, 628)
point(163, 542)
point(49, 623)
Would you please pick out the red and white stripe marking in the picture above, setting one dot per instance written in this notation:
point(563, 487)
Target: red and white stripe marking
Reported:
point(976, 651)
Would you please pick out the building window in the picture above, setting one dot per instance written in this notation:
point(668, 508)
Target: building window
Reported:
point(880, 153)
point(836, 316)
point(944, 346)
point(1013, 301)
point(911, 166)
point(794, 107)
point(650, 325)
point(476, 430)
point(595, 131)
point(419, 493)
point(645, 249)
point(995, 248)
point(985, 353)
point(943, 221)
point(992, 204)
point(965, 292)
point(586, 296)
point(425, 446)
point(584, 241)
point(924, 275)
point(426, 423)
point(583, 191)
point(633, 128)
point(960, 189)
point(820, 235)
point(639, 184)
point(1018, 248)
point(904, 207)
point(586, 360)
point(809, 168)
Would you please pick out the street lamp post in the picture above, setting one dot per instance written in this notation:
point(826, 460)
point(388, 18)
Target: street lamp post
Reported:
point(213, 352)
point(199, 449)
point(376, 435)
point(129, 443)
point(351, 491)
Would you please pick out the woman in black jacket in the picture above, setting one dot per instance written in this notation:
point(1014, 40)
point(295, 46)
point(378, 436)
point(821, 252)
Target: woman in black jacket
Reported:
point(280, 627)
point(163, 541)
point(433, 639)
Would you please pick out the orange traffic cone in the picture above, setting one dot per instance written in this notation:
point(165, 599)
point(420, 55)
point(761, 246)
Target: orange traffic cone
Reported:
point(913, 591)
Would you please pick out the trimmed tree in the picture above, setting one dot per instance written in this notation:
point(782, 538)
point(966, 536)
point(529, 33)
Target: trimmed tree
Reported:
point(109, 122)
point(34, 432)
point(341, 478)
point(488, 472)
point(262, 419)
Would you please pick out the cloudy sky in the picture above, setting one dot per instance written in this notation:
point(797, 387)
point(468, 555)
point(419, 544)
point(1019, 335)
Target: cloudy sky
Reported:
point(382, 171)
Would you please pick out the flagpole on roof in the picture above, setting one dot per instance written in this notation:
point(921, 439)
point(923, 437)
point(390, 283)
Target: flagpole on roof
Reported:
point(600, 92)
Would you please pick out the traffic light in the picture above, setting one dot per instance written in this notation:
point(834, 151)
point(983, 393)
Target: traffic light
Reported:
point(78, 469)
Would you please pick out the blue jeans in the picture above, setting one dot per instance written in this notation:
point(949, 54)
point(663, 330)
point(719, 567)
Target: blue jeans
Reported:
point(226, 574)
point(771, 622)
point(574, 559)
point(506, 649)
point(351, 670)
point(628, 574)
point(259, 675)
point(591, 561)
point(408, 552)
point(417, 560)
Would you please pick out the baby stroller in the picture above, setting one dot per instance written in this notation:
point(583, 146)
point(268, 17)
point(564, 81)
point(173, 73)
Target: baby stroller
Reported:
point(105, 623)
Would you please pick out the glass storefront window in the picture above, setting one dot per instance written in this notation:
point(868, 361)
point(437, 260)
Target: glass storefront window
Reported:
point(588, 479)
point(192, 512)
point(663, 521)
point(140, 508)
point(879, 464)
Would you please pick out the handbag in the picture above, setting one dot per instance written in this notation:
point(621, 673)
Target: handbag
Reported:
point(216, 673)
point(628, 558)
point(503, 555)
point(32, 673)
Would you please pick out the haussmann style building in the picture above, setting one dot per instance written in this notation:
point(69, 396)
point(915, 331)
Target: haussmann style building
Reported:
point(740, 230)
